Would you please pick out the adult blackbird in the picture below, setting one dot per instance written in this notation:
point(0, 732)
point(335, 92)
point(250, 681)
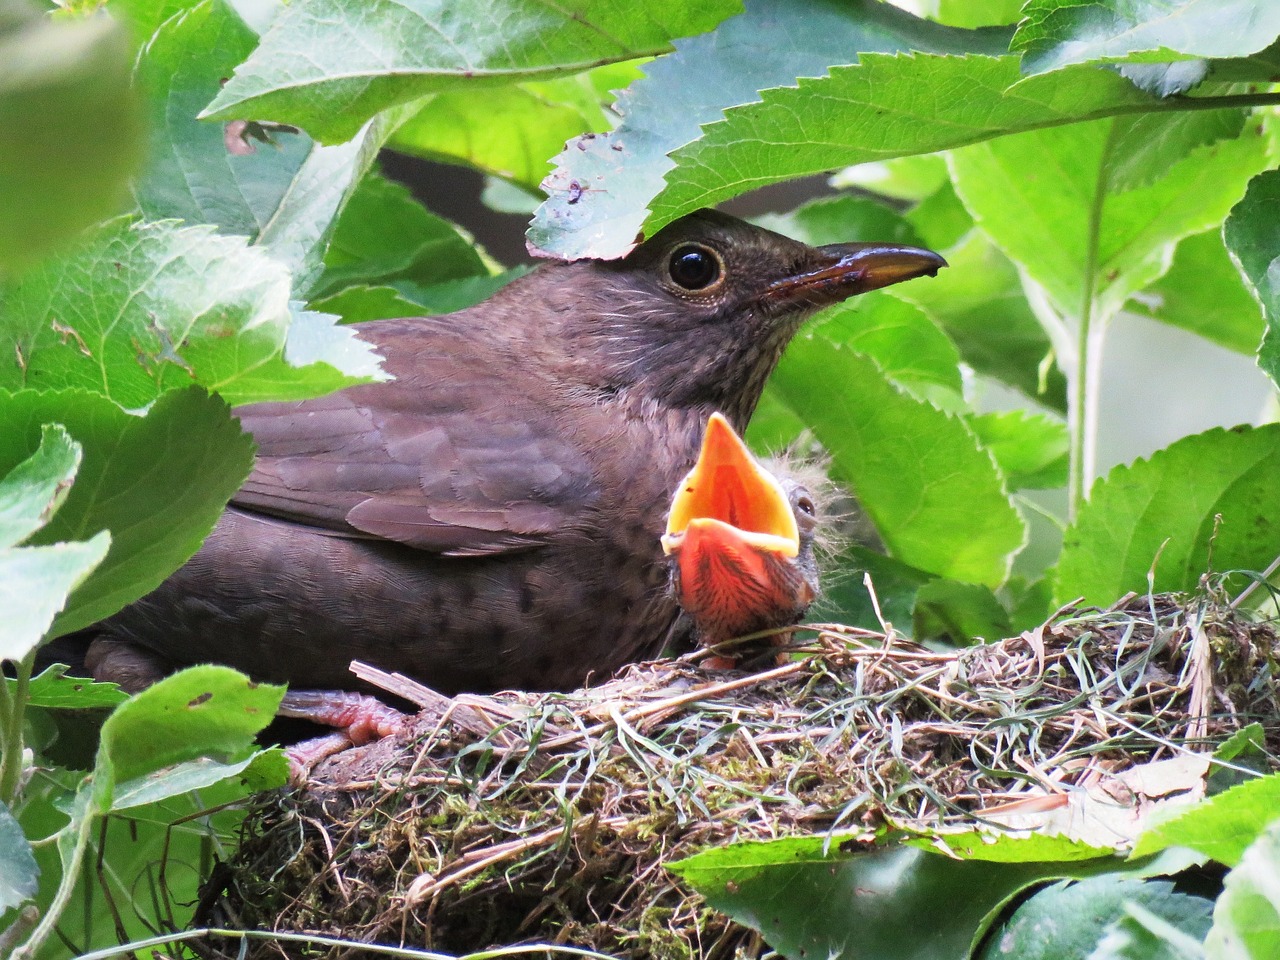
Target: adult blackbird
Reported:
point(491, 517)
point(741, 543)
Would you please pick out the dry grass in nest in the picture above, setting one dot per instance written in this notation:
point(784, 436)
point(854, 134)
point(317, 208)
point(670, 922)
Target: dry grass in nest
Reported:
point(550, 817)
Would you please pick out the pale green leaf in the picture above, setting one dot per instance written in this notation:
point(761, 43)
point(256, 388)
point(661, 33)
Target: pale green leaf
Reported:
point(34, 584)
point(19, 875)
point(933, 494)
point(1252, 234)
point(330, 65)
point(34, 490)
point(1037, 194)
point(1222, 826)
point(139, 308)
point(1246, 917)
point(157, 483)
point(1203, 292)
point(1055, 33)
point(1149, 509)
point(618, 175)
point(1030, 449)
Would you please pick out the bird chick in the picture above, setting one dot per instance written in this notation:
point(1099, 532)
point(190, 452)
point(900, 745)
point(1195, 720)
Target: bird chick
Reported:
point(741, 544)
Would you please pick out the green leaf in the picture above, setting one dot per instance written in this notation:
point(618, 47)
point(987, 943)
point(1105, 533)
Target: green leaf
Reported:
point(512, 132)
point(268, 182)
point(72, 126)
point(52, 689)
point(1252, 234)
point(1062, 175)
point(1148, 508)
point(845, 599)
point(1069, 919)
point(875, 899)
point(673, 153)
point(1148, 145)
point(980, 304)
point(35, 489)
point(263, 770)
point(1142, 935)
point(902, 340)
point(1055, 33)
point(385, 235)
point(959, 613)
point(19, 875)
point(34, 584)
point(842, 219)
point(1246, 917)
point(1204, 293)
point(139, 308)
point(157, 482)
point(206, 711)
point(36, 580)
point(935, 497)
point(1222, 826)
point(330, 65)
point(1030, 449)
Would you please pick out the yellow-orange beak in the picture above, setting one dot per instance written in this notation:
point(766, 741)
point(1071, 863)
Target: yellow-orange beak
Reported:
point(728, 493)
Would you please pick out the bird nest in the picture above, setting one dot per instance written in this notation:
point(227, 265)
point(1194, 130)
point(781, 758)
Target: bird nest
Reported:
point(550, 817)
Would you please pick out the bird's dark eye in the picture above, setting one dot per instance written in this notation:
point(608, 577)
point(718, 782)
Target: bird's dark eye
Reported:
point(805, 506)
point(694, 267)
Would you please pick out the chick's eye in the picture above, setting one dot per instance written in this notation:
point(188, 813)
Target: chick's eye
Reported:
point(805, 506)
point(694, 267)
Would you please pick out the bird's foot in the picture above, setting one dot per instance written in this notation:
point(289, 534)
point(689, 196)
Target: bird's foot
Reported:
point(358, 719)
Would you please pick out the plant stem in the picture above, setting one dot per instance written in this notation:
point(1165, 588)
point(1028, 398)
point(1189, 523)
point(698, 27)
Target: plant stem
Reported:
point(13, 705)
point(71, 864)
point(1084, 393)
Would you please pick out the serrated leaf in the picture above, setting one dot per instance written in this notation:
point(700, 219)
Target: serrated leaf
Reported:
point(935, 497)
point(900, 337)
point(1222, 826)
point(1056, 33)
point(206, 711)
point(979, 302)
point(1166, 79)
point(1252, 234)
point(1204, 293)
point(1069, 919)
point(138, 308)
point(1030, 449)
point(667, 115)
point(158, 483)
point(513, 132)
point(1246, 917)
point(1062, 175)
point(73, 132)
point(330, 65)
point(19, 874)
point(1148, 508)
point(269, 182)
point(52, 689)
point(1147, 146)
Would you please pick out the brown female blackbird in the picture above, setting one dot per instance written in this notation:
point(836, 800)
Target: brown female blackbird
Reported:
point(491, 517)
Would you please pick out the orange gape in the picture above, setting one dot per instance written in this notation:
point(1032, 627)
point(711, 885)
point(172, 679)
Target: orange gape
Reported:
point(740, 543)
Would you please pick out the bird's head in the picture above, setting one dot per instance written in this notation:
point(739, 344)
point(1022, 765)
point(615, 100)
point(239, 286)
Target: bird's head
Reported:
point(741, 541)
point(700, 313)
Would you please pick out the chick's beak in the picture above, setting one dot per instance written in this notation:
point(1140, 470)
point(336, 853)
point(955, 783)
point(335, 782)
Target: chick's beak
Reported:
point(729, 497)
point(846, 269)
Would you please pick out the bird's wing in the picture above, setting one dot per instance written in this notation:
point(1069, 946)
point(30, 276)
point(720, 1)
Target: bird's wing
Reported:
point(454, 456)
